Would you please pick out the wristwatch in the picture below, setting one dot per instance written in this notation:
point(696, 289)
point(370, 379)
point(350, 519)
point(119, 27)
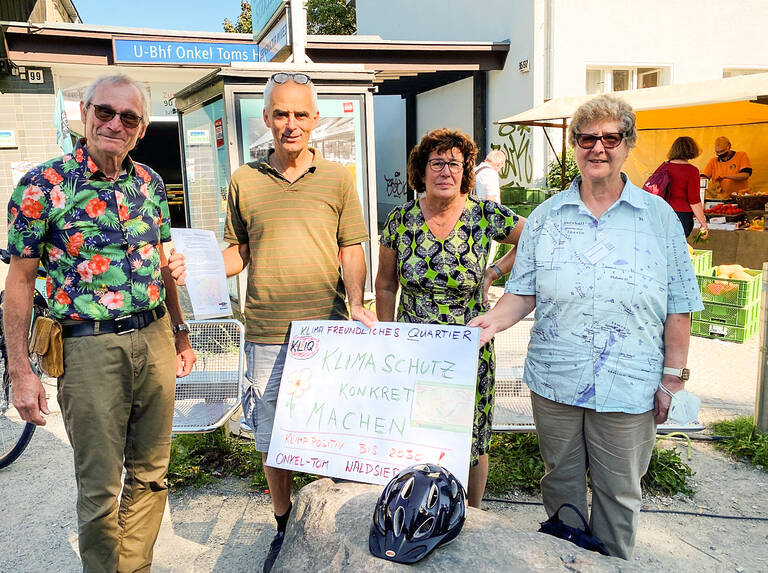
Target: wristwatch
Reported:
point(181, 327)
point(682, 373)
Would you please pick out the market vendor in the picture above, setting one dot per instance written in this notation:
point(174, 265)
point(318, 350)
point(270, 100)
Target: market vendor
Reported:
point(728, 172)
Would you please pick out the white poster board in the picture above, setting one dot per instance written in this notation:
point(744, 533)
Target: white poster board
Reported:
point(361, 404)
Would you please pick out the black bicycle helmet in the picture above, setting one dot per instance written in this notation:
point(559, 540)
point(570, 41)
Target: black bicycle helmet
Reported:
point(423, 507)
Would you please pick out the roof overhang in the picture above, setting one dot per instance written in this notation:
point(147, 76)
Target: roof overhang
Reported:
point(400, 66)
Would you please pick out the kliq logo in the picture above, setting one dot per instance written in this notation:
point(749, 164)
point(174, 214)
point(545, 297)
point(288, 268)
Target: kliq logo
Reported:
point(303, 347)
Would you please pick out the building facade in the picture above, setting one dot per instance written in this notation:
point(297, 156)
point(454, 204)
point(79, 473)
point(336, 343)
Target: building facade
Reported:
point(561, 48)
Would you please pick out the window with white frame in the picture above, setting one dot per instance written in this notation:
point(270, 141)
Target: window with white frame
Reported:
point(622, 78)
point(732, 72)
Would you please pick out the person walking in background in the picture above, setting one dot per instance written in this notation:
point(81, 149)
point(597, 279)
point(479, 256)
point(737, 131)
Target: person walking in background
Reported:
point(606, 267)
point(683, 192)
point(488, 186)
point(436, 249)
point(97, 220)
point(487, 182)
point(728, 172)
point(291, 218)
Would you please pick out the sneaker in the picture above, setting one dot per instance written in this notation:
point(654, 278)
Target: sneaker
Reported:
point(274, 551)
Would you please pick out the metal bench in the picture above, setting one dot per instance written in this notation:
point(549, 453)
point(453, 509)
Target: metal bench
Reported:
point(512, 411)
point(210, 394)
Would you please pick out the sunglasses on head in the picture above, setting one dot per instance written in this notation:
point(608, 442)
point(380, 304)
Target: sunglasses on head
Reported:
point(609, 140)
point(282, 77)
point(105, 113)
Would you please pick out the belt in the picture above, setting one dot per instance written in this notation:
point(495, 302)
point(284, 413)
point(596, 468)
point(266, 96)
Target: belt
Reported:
point(119, 326)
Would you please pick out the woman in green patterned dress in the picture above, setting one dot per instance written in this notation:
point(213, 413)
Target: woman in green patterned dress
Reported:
point(435, 249)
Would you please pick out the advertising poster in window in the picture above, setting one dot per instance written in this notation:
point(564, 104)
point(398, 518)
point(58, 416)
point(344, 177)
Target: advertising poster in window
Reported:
point(338, 136)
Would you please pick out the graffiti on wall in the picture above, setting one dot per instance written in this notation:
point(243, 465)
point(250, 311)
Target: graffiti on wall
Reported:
point(518, 168)
point(395, 186)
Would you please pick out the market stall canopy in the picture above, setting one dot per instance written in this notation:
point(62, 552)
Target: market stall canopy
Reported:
point(733, 101)
point(733, 107)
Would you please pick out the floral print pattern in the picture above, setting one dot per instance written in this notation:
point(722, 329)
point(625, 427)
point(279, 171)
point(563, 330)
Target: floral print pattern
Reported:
point(441, 282)
point(97, 239)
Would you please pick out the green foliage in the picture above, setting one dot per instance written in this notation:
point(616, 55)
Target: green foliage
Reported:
point(244, 24)
point(199, 459)
point(332, 17)
point(554, 173)
point(667, 473)
point(515, 464)
point(744, 441)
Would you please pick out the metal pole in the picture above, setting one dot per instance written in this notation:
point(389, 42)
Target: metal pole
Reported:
point(761, 397)
point(298, 31)
point(563, 182)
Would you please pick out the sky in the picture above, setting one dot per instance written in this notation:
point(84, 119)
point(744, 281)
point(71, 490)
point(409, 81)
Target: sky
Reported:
point(203, 15)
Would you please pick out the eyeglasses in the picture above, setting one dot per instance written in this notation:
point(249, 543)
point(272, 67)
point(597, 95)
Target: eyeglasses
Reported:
point(282, 77)
point(105, 113)
point(609, 140)
point(437, 165)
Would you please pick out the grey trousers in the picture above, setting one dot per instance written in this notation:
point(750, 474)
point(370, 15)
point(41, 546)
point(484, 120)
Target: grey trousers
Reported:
point(616, 449)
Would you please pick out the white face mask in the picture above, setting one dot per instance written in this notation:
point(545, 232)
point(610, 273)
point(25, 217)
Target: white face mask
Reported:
point(684, 407)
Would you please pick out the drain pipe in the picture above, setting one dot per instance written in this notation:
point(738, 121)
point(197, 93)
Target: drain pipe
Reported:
point(761, 397)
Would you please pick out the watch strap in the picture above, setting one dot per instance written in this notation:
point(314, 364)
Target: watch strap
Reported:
point(181, 327)
point(682, 373)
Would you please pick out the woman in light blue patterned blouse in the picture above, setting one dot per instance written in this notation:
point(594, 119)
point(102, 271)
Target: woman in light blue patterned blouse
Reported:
point(606, 267)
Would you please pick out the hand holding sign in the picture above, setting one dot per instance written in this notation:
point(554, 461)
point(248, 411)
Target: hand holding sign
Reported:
point(362, 403)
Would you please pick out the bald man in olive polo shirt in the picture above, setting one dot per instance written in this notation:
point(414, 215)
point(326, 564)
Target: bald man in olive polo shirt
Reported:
point(292, 218)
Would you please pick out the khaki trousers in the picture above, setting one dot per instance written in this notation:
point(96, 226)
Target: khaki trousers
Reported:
point(616, 449)
point(116, 398)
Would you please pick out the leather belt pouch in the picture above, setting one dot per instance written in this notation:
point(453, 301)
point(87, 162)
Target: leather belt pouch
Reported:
point(46, 343)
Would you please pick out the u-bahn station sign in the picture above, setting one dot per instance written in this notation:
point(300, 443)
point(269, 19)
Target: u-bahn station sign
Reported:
point(129, 50)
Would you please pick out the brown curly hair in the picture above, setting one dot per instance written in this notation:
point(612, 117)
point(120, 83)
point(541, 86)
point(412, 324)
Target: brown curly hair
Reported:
point(441, 140)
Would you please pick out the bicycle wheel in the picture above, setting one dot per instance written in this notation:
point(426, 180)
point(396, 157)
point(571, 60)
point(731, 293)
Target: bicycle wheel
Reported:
point(15, 433)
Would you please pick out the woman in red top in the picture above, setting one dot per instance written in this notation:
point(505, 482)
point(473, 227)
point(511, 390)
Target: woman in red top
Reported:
point(683, 191)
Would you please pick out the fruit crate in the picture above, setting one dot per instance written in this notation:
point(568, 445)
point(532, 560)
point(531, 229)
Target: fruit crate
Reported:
point(523, 209)
point(731, 292)
point(723, 331)
point(512, 195)
point(702, 262)
point(728, 315)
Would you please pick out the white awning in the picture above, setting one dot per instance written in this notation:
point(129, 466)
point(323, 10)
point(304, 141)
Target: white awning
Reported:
point(732, 101)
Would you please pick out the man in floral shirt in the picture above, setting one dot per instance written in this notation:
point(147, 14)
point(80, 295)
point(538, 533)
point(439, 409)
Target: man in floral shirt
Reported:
point(97, 220)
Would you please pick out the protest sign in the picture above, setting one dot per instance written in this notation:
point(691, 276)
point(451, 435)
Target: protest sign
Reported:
point(361, 404)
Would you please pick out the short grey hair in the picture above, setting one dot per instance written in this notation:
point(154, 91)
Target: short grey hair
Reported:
point(601, 108)
point(272, 83)
point(497, 157)
point(118, 80)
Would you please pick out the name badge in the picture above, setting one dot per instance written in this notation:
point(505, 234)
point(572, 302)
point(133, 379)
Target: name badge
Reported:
point(599, 250)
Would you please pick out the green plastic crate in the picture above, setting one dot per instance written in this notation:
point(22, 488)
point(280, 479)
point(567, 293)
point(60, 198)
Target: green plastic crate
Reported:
point(513, 194)
point(731, 292)
point(723, 331)
point(522, 209)
point(729, 315)
point(702, 262)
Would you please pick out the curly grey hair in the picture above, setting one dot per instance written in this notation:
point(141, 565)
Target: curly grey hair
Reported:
point(601, 108)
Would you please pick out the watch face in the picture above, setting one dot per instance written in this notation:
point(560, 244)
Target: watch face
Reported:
point(685, 374)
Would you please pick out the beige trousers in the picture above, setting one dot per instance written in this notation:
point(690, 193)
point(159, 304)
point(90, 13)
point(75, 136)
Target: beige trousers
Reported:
point(616, 449)
point(116, 398)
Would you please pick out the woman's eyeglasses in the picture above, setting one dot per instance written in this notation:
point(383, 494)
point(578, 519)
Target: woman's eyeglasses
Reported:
point(282, 77)
point(609, 140)
point(105, 113)
point(437, 165)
